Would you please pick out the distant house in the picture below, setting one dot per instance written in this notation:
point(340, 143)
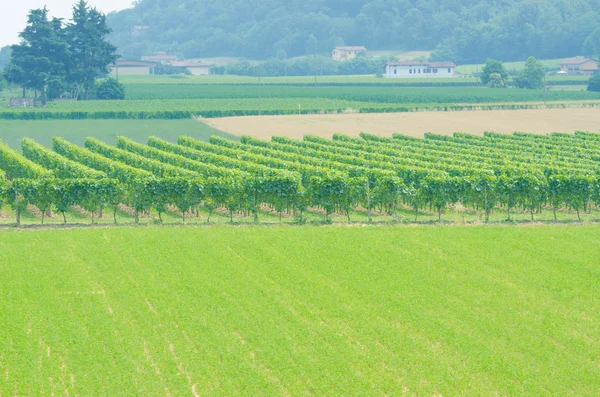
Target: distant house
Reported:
point(197, 68)
point(123, 67)
point(345, 53)
point(579, 66)
point(419, 69)
point(160, 57)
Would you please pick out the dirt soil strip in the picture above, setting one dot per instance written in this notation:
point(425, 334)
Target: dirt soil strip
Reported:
point(539, 121)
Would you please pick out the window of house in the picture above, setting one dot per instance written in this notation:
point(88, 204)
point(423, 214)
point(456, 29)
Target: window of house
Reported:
point(419, 71)
point(449, 70)
point(434, 70)
point(395, 71)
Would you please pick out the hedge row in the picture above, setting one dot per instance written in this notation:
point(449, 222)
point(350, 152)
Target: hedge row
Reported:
point(177, 115)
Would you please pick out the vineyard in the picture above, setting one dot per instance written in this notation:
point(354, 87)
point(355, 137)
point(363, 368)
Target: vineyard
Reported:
point(494, 174)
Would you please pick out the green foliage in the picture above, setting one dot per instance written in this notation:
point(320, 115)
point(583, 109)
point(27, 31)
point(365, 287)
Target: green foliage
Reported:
point(495, 80)
point(5, 54)
point(519, 172)
point(460, 30)
point(90, 53)
point(17, 166)
point(304, 66)
point(594, 83)
point(62, 167)
point(532, 77)
point(110, 89)
point(43, 54)
point(591, 45)
point(53, 58)
point(493, 67)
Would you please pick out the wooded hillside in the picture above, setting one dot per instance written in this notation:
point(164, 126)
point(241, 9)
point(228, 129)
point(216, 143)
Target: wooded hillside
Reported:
point(460, 30)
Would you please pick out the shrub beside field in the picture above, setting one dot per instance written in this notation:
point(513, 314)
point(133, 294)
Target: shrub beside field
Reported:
point(293, 311)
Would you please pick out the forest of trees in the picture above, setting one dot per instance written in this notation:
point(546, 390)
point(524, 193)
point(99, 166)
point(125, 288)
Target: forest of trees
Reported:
point(459, 30)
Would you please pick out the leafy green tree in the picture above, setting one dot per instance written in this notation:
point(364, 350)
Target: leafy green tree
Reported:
point(110, 89)
point(594, 83)
point(493, 67)
point(5, 54)
point(90, 52)
point(495, 80)
point(532, 76)
point(42, 54)
point(591, 45)
point(311, 45)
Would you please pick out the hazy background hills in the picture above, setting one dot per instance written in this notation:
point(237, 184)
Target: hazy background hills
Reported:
point(458, 30)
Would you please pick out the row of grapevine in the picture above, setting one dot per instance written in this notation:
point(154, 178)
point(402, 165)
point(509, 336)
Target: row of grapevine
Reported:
point(485, 174)
point(13, 165)
point(62, 167)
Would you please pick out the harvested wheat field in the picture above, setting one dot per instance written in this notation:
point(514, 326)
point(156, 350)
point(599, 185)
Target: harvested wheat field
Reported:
point(538, 121)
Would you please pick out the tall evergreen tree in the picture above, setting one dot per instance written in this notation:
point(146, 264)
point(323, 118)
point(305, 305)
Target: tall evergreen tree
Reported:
point(42, 54)
point(90, 52)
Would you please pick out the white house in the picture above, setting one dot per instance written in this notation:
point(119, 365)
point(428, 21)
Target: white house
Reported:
point(419, 69)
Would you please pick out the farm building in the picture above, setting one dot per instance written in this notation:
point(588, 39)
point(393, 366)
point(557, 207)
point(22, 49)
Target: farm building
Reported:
point(579, 66)
point(419, 69)
point(345, 53)
point(197, 68)
point(160, 57)
point(123, 67)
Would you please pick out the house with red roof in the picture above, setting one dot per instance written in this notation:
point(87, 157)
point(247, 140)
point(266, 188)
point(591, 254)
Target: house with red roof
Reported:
point(417, 69)
point(345, 53)
point(580, 66)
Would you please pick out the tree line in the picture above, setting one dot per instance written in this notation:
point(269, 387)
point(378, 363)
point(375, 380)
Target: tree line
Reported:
point(460, 30)
point(56, 58)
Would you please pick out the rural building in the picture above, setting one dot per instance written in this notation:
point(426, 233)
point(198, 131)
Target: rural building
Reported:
point(197, 68)
point(345, 53)
point(419, 69)
point(160, 57)
point(123, 67)
point(579, 66)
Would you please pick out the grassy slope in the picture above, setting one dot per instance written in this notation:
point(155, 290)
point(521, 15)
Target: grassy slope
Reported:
point(76, 131)
point(295, 311)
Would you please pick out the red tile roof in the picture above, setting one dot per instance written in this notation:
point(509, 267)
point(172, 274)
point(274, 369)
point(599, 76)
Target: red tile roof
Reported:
point(575, 61)
point(351, 48)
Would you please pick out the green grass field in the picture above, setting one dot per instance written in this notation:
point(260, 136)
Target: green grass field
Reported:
point(12, 131)
point(337, 311)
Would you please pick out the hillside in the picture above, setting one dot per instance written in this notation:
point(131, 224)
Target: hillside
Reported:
point(426, 311)
point(461, 30)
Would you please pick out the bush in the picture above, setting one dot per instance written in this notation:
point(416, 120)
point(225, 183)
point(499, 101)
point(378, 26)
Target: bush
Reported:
point(495, 68)
point(594, 83)
point(162, 69)
point(495, 80)
point(532, 76)
point(110, 89)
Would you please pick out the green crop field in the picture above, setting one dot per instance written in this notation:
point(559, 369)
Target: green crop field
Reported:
point(184, 101)
point(13, 131)
point(331, 311)
point(393, 95)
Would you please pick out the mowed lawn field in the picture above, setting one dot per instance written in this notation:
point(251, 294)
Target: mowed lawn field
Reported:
point(76, 131)
point(288, 311)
